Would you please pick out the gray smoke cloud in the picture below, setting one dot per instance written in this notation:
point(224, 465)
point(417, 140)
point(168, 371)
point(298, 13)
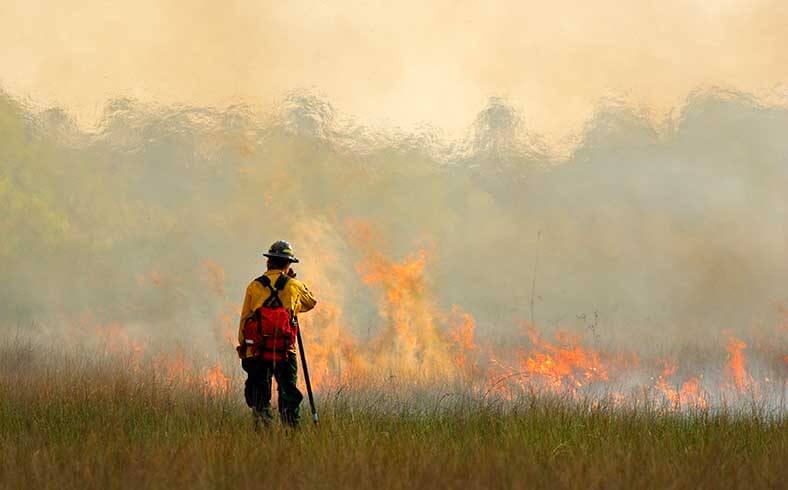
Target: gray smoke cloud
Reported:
point(651, 234)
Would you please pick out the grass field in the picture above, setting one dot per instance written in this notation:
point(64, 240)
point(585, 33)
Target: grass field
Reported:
point(75, 421)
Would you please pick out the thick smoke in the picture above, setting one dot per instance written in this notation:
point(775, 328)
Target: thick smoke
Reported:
point(646, 235)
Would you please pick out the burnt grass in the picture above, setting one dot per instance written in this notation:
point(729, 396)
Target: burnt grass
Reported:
point(74, 421)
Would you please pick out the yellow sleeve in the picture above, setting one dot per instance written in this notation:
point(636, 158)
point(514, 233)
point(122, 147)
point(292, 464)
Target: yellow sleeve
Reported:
point(306, 300)
point(245, 312)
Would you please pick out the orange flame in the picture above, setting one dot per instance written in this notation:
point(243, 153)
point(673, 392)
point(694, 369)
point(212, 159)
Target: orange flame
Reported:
point(737, 363)
point(410, 340)
point(463, 326)
point(415, 339)
point(115, 339)
point(216, 382)
point(564, 366)
point(662, 385)
point(173, 366)
point(690, 394)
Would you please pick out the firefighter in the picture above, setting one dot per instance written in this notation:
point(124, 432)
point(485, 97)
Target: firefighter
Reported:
point(267, 346)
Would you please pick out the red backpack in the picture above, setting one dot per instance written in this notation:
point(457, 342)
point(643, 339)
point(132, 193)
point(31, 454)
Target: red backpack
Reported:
point(269, 331)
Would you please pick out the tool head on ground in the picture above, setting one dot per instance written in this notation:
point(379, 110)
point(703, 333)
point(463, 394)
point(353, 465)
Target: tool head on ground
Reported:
point(281, 250)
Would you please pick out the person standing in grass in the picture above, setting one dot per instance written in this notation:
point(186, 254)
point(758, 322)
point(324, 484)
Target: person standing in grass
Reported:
point(266, 336)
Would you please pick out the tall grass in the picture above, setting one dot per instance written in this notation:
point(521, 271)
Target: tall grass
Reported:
point(75, 421)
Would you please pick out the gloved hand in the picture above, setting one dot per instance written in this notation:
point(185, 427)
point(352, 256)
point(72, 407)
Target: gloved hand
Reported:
point(291, 273)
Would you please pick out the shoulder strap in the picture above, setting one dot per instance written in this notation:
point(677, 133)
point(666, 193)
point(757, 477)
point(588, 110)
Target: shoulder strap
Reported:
point(273, 300)
point(265, 281)
point(281, 282)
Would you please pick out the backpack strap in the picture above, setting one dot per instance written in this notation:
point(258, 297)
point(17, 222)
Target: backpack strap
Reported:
point(281, 282)
point(264, 281)
point(273, 300)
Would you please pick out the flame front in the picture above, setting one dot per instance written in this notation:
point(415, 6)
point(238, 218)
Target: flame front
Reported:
point(415, 341)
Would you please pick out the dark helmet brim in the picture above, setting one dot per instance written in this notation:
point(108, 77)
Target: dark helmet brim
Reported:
point(291, 258)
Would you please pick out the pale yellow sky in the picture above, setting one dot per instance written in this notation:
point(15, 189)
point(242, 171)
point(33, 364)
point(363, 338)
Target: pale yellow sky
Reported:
point(399, 63)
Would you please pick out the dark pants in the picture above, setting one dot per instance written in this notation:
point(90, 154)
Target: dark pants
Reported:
point(258, 387)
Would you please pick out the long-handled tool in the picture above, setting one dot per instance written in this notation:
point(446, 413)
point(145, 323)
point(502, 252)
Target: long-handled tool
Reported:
point(306, 369)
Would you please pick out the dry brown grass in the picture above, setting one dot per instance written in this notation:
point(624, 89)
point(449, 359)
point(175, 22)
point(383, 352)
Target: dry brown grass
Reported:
point(68, 421)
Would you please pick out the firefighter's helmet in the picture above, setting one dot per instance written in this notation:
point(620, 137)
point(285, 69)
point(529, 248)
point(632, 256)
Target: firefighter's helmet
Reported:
point(281, 250)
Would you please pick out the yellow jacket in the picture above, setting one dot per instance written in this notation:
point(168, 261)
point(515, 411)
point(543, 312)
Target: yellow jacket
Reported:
point(296, 298)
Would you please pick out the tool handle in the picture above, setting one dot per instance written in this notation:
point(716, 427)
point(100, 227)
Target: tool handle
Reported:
point(306, 370)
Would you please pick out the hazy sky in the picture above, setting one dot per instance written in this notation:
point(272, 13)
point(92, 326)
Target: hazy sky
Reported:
point(400, 63)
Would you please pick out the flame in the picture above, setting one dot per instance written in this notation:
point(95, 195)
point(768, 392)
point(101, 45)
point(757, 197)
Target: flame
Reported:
point(216, 382)
point(692, 394)
point(413, 339)
point(409, 340)
point(463, 327)
point(666, 388)
point(115, 339)
point(174, 366)
point(332, 349)
point(563, 366)
point(689, 395)
point(225, 327)
point(155, 277)
point(736, 368)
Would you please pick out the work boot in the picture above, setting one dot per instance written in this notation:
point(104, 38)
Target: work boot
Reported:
point(261, 419)
point(289, 419)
